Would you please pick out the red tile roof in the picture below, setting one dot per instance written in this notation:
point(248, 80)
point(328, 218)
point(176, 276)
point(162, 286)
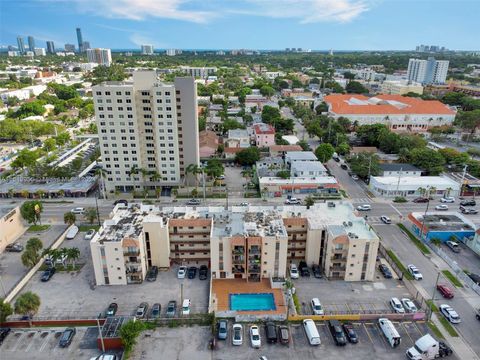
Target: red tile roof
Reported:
point(279, 148)
point(263, 129)
point(387, 104)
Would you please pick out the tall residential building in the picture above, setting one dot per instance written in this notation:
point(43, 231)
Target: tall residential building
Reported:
point(80, 40)
point(172, 52)
point(69, 48)
point(100, 56)
point(21, 45)
point(50, 47)
point(39, 52)
point(429, 71)
point(147, 49)
point(31, 43)
point(85, 46)
point(147, 125)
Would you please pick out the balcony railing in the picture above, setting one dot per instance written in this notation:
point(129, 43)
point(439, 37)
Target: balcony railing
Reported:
point(337, 268)
point(131, 253)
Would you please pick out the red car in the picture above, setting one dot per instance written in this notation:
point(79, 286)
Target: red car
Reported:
point(446, 292)
point(421, 200)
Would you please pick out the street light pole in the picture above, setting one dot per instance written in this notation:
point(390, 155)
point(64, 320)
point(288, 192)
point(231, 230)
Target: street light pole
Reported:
point(425, 214)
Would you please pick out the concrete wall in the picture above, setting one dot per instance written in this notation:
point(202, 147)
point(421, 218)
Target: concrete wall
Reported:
point(11, 227)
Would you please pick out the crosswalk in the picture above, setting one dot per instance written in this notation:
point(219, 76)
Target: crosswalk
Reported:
point(364, 200)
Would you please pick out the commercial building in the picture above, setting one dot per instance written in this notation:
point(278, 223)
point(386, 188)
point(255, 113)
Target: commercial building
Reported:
point(201, 72)
point(20, 45)
point(147, 124)
point(147, 49)
point(80, 40)
point(69, 48)
point(31, 43)
point(398, 113)
point(99, 56)
point(429, 71)
point(50, 47)
point(398, 87)
point(250, 243)
point(413, 186)
point(24, 93)
point(40, 52)
point(173, 52)
point(11, 225)
point(264, 135)
point(441, 225)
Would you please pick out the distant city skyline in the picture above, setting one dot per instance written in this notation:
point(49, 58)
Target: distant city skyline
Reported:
point(216, 24)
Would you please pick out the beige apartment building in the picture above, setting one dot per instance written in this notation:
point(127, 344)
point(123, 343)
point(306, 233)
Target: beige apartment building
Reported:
point(148, 131)
point(11, 225)
point(250, 243)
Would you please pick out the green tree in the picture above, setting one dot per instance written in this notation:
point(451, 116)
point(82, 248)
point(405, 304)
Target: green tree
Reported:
point(5, 310)
point(214, 168)
point(354, 87)
point(348, 75)
point(322, 107)
point(30, 258)
point(284, 174)
point(34, 244)
point(309, 201)
point(62, 138)
point(427, 159)
point(454, 157)
point(27, 303)
point(304, 145)
point(33, 108)
point(468, 120)
point(73, 254)
point(31, 211)
point(334, 86)
point(324, 152)
point(267, 91)
point(69, 218)
point(364, 164)
point(248, 156)
point(270, 114)
point(343, 148)
point(90, 214)
point(453, 98)
point(129, 333)
point(26, 158)
point(49, 144)
point(113, 72)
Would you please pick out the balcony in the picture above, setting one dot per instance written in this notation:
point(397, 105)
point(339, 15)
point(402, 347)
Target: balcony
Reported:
point(132, 253)
point(238, 260)
point(338, 268)
point(132, 260)
point(254, 251)
point(238, 270)
point(254, 269)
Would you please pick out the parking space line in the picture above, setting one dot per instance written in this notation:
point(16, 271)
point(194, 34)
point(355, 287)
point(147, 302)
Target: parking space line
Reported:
point(408, 333)
point(417, 328)
point(18, 341)
point(31, 341)
point(47, 339)
point(382, 335)
point(368, 334)
point(348, 307)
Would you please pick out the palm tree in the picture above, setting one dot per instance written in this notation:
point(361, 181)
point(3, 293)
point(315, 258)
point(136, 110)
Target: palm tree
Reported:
point(69, 218)
point(24, 193)
point(193, 169)
point(63, 254)
point(101, 173)
point(448, 191)
point(134, 170)
point(432, 191)
point(73, 254)
point(90, 214)
point(27, 304)
point(309, 201)
point(421, 191)
point(10, 193)
point(61, 193)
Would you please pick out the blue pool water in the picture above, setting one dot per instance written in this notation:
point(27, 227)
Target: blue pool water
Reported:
point(252, 302)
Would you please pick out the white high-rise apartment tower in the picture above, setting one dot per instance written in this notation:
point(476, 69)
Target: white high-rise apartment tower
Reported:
point(429, 71)
point(148, 131)
point(100, 56)
point(147, 49)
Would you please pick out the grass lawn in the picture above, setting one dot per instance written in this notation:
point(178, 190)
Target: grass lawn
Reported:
point(85, 228)
point(418, 243)
point(436, 331)
point(397, 261)
point(453, 279)
point(446, 324)
point(344, 193)
point(38, 227)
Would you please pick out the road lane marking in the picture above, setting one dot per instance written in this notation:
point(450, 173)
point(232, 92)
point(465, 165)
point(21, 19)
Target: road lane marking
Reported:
point(398, 212)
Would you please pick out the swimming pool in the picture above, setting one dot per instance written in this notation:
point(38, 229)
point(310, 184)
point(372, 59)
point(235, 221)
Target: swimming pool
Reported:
point(252, 302)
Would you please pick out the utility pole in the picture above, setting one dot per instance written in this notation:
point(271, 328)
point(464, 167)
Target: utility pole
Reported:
point(398, 183)
point(463, 179)
point(204, 191)
point(96, 205)
point(425, 214)
point(101, 335)
point(433, 297)
point(369, 166)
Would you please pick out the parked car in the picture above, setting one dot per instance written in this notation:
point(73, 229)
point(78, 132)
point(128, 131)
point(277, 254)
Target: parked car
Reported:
point(293, 271)
point(244, 204)
point(292, 201)
point(468, 203)
point(397, 305)
point(477, 314)
point(317, 308)
point(156, 311)
point(237, 337)
point(364, 207)
point(222, 330)
point(344, 166)
point(203, 272)
point(283, 334)
point(47, 274)
point(14, 247)
point(454, 246)
point(446, 292)
point(193, 202)
point(120, 201)
point(182, 271)
point(385, 219)
point(421, 200)
point(72, 233)
point(186, 307)
point(450, 314)
point(141, 310)
point(413, 270)
point(67, 336)
point(304, 269)
point(442, 207)
point(152, 273)
point(255, 337)
point(105, 357)
point(468, 211)
point(409, 306)
point(350, 333)
point(475, 278)
point(271, 332)
point(171, 308)
point(387, 274)
point(192, 272)
point(317, 272)
point(447, 199)
point(90, 234)
point(3, 333)
point(112, 309)
point(78, 211)
point(337, 332)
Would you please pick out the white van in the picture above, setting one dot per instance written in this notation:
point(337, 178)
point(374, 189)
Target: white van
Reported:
point(186, 307)
point(72, 232)
point(312, 332)
point(392, 335)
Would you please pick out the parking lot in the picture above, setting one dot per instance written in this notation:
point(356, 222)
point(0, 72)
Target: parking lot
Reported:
point(188, 343)
point(40, 344)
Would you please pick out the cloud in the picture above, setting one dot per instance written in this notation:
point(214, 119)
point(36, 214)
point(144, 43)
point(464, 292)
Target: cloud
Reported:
point(142, 39)
point(142, 9)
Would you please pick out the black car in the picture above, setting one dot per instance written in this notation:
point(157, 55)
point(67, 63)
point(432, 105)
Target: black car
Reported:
point(192, 272)
point(475, 278)
point(14, 247)
point(316, 271)
point(421, 200)
point(152, 273)
point(112, 309)
point(121, 201)
point(171, 308)
point(350, 333)
point(47, 274)
point(344, 167)
point(443, 349)
point(468, 203)
point(305, 272)
point(203, 272)
point(67, 336)
point(271, 332)
point(337, 332)
point(387, 274)
point(3, 334)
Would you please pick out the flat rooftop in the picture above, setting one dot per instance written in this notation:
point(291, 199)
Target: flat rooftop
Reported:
point(4, 210)
point(444, 221)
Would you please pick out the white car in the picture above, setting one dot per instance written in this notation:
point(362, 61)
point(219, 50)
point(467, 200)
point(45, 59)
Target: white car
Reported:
point(448, 199)
point(317, 307)
point(409, 306)
point(186, 307)
point(78, 211)
point(385, 219)
point(450, 314)
point(293, 271)
point(182, 271)
point(255, 337)
point(397, 305)
point(441, 207)
point(237, 335)
point(364, 207)
point(90, 234)
point(292, 201)
point(413, 270)
point(244, 204)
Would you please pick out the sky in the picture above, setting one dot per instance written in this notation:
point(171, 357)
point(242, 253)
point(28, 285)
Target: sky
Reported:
point(249, 24)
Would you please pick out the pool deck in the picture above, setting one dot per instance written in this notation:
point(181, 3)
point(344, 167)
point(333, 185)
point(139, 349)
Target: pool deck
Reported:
point(222, 288)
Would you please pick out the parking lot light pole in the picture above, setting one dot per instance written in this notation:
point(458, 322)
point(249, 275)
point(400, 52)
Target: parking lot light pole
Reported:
point(101, 335)
point(433, 297)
